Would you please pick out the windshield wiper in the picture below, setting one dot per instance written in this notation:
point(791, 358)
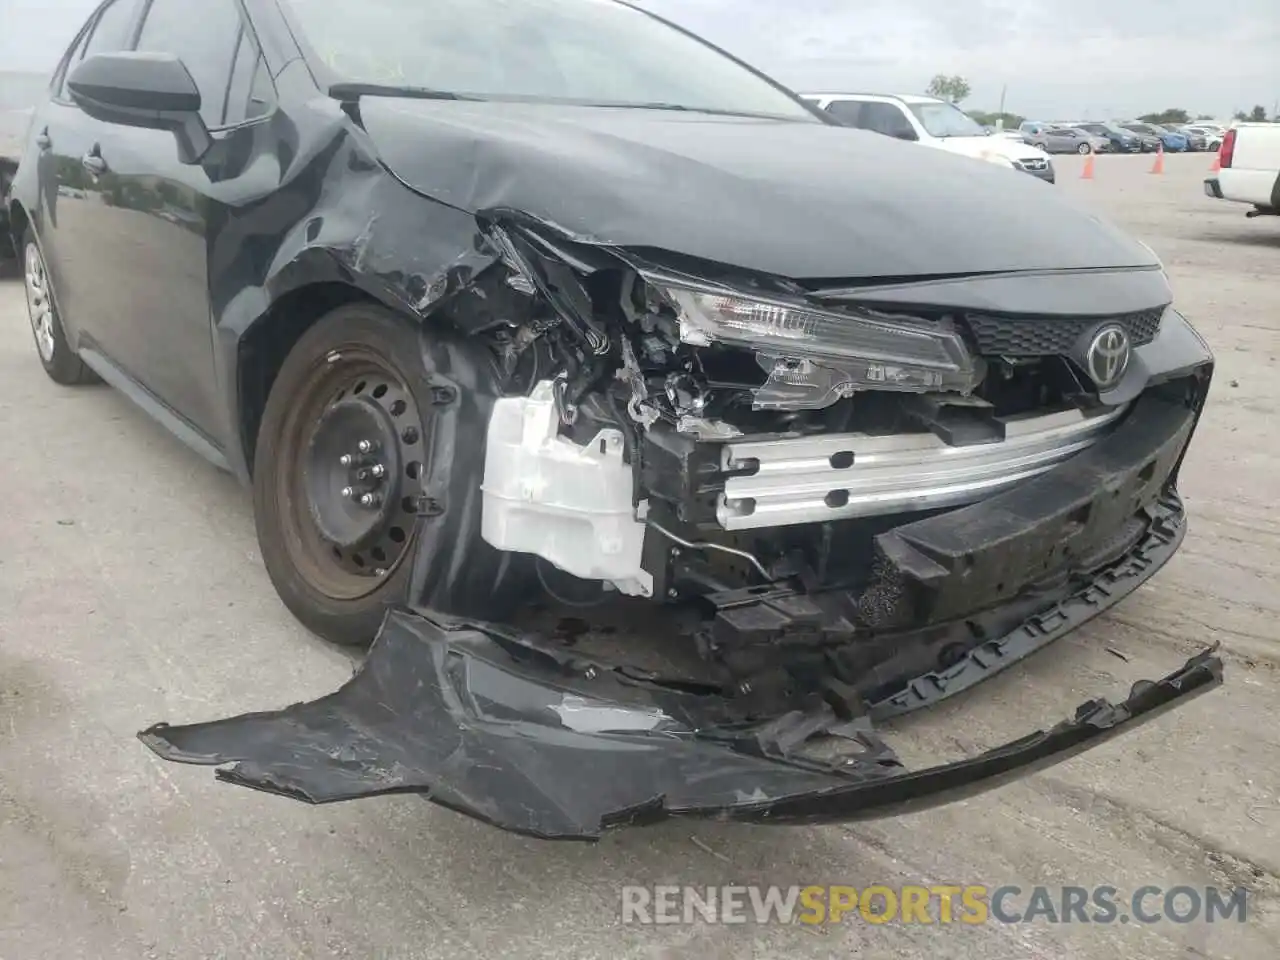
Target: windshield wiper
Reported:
point(682, 108)
point(349, 92)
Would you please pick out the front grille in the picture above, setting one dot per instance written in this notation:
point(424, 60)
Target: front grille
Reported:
point(1051, 336)
point(1035, 164)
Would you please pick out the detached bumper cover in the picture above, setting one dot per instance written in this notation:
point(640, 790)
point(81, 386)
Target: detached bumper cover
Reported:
point(479, 721)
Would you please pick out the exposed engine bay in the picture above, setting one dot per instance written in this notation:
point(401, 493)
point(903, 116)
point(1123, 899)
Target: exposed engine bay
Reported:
point(662, 435)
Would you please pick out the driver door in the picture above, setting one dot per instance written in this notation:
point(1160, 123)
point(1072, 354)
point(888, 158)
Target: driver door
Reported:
point(154, 319)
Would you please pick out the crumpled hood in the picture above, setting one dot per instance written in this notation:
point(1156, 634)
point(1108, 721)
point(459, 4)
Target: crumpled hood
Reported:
point(794, 199)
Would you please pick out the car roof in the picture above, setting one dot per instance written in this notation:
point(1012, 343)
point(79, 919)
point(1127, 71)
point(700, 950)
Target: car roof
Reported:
point(902, 97)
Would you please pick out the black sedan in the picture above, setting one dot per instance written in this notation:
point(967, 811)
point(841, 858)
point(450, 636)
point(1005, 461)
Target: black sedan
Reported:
point(501, 304)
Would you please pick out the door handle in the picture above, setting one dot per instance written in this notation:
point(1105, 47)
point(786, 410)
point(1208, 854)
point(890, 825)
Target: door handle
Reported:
point(42, 139)
point(94, 164)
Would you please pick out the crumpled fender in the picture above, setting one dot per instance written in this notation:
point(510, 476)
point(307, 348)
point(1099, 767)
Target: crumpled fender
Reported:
point(485, 721)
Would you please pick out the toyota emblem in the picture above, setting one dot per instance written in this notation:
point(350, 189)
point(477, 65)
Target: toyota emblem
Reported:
point(1107, 357)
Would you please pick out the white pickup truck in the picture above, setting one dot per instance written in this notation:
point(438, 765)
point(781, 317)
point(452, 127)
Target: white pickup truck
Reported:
point(1250, 161)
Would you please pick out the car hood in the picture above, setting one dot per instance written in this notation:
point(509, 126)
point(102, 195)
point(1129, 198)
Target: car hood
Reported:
point(788, 198)
point(982, 146)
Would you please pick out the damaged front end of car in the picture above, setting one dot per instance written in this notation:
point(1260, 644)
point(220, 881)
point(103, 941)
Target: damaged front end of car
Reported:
point(848, 501)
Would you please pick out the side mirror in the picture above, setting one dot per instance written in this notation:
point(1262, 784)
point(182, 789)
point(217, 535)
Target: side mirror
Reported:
point(151, 90)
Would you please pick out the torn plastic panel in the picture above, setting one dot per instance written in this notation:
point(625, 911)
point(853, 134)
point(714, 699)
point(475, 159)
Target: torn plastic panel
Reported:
point(484, 722)
point(777, 639)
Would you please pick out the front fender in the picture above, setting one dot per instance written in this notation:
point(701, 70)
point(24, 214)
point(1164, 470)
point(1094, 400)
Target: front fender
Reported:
point(345, 221)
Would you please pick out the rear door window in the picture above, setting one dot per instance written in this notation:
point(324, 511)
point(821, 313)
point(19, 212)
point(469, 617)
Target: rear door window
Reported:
point(886, 118)
point(846, 111)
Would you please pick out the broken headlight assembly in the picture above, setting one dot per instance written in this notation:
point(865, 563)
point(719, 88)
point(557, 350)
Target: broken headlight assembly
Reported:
point(813, 357)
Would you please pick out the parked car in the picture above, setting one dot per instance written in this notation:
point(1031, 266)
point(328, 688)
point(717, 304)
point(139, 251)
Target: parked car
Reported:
point(1070, 140)
point(1212, 135)
point(1016, 135)
point(571, 305)
point(1155, 135)
point(933, 123)
point(13, 131)
point(1250, 174)
point(1121, 140)
point(1196, 139)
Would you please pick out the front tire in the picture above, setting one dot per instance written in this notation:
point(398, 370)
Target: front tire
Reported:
point(338, 471)
point(1083, 149)
point(60, 362)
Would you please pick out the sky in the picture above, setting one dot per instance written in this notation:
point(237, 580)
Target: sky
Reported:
point(1055, 58)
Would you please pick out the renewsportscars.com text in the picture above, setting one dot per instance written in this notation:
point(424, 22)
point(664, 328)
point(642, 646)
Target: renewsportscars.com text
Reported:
point(934, 904)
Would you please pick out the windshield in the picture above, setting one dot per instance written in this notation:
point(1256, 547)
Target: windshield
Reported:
point(946, 120)
point(576, 51)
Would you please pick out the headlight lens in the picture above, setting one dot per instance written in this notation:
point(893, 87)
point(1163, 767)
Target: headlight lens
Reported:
point(813, 356)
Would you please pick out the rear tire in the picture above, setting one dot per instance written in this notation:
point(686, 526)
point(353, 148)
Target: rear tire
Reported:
point(1083, 149)
point(60, 362)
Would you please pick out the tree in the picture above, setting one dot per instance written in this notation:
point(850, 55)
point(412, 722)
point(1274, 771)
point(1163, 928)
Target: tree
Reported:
point(954, 88)
point(1174, 116)
point(1258, 114)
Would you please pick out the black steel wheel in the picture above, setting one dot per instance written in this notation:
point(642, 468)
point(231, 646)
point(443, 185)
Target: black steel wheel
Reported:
point(338, 472)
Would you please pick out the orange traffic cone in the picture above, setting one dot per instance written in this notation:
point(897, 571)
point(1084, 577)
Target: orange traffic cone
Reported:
point(1217, 162)
point(1087, 173)
point(1158, 166)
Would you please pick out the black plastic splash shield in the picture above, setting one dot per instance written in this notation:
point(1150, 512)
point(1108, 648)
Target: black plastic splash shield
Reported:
point(479, 721)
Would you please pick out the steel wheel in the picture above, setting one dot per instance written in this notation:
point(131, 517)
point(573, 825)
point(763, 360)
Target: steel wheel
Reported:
point(350, 474)
point(39, 306)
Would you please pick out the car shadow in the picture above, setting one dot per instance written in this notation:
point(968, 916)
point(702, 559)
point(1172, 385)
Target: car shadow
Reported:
point(1257, 238)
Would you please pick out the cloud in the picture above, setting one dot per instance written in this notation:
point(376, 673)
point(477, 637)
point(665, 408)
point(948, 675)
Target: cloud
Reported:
point(35, 33)
point(1057, 58)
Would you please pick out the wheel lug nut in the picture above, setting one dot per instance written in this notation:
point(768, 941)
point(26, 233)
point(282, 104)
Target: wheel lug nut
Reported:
point(368, 500)
point(345, 459)
point(377, 470)
point(364, 446)
point(347, 492)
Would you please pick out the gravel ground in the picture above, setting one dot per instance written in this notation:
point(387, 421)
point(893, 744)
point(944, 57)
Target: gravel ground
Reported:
point(131, 590)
